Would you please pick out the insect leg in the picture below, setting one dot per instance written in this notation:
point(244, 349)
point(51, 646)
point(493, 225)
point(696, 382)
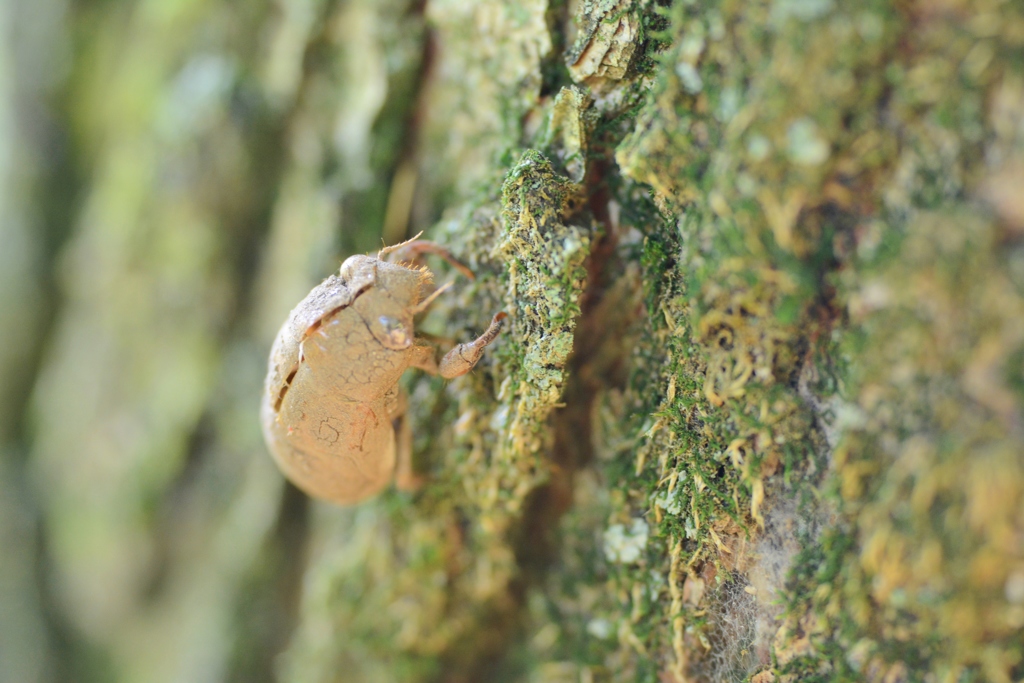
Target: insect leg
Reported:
point(422, 356)
point(395, 402)
point(406, 478)
point(463, 357)
point(411, 250)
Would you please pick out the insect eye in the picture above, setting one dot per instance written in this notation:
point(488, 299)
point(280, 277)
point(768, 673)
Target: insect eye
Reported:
point(396, 335)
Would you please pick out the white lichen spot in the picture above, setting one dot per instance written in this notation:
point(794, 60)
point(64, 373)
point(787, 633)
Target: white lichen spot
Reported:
point(689, 78)
point(758, 147)
point(746, 184)
point(716, 26)
point(1014, 588)
point(848, 416)
point(870, 26)
point(464, 424)
point(600, 628)
point(874, 295)
point(860, 654)
point(669, 502)
point(692, 45)
point(805, 10)
point(499, 418)
point(728, 104)
point(625, 546)
point(570, 245)
point(690, 529)
point(806, 146)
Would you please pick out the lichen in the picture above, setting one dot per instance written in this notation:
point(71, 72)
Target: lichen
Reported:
point(544, 259)
point(607, 39)
point(760, 141)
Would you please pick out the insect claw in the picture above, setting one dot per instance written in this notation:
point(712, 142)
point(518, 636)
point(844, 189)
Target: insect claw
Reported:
point(463, 357)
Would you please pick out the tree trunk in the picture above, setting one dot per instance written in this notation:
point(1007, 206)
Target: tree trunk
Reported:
point(758, 413)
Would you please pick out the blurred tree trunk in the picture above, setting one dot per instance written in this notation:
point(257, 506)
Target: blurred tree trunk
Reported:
point(758, 413)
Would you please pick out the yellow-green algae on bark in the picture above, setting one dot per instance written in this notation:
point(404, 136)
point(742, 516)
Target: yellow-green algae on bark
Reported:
point(837, 177)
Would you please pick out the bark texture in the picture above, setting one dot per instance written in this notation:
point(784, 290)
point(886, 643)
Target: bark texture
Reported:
point(757, 414)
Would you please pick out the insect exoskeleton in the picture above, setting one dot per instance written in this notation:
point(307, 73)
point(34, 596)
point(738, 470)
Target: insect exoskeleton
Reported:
point(331, 394)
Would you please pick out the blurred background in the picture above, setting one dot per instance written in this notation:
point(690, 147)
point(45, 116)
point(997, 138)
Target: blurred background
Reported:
point(174, 177)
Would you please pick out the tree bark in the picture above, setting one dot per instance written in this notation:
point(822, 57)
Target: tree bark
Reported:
point(757, 413)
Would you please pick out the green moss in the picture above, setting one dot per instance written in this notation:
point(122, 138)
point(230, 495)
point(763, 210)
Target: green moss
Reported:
point(917, 475)
point(755, 261)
